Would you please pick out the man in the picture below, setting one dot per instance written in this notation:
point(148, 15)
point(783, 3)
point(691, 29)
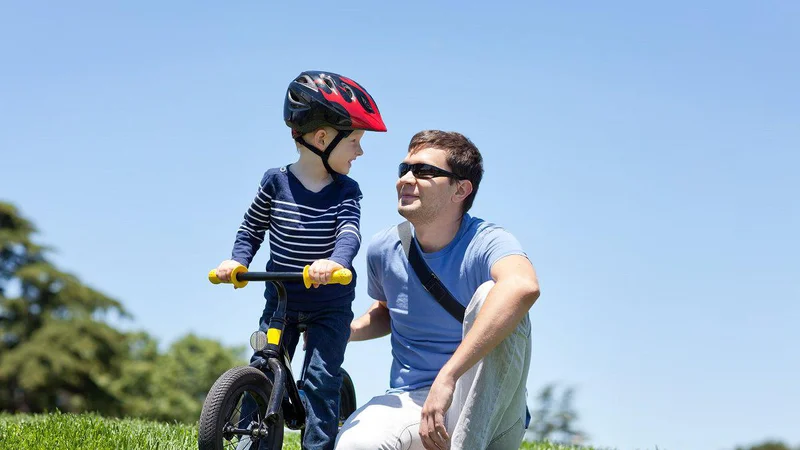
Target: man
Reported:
point(453, 385)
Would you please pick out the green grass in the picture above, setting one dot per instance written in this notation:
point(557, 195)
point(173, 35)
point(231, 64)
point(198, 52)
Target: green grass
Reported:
point(550, 446)
point(89, 431)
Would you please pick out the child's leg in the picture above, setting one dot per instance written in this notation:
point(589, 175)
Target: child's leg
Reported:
point(327, 334)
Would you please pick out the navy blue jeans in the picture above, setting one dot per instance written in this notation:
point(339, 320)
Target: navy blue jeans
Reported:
point(327, 332)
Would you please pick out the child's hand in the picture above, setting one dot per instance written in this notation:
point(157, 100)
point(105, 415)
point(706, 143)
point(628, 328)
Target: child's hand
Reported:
point(225, 268)
point(320, 272)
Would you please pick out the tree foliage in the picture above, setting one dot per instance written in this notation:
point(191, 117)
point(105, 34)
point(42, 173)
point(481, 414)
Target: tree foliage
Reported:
point(768, 445)
point(171, 386)
point(57, 350)
point(554, 418)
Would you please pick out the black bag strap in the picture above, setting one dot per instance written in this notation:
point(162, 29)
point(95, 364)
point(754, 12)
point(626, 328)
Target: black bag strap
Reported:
point(429, 280)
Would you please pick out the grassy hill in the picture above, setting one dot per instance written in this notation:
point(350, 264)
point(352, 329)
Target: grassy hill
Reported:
point(88, 431)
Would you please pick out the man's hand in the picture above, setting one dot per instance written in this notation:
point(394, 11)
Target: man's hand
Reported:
point(321, 271)
point(225, 268)
point(431, 427)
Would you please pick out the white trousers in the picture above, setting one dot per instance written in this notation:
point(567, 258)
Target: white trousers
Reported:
point(488, 409)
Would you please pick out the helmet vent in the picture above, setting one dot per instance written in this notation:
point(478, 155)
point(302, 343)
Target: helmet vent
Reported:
point(350, 95)
point(365, 103)
point(294, 99)
point(306, 81)
point(328, 81)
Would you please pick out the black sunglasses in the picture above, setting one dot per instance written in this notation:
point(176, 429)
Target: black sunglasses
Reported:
point(425, 171)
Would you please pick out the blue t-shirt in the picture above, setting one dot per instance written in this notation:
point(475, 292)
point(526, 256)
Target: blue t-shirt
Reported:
point(424, 335)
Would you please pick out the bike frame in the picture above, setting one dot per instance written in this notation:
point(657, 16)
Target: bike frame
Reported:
point(274, 359)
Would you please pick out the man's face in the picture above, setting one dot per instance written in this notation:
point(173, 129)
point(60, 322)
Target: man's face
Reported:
point(422, 200)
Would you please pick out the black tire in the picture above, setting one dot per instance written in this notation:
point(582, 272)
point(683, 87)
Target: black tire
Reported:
point(347, 398)
point(222, 406)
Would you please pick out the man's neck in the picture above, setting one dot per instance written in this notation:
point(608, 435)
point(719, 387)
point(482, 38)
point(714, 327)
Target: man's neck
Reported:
point(435, 236)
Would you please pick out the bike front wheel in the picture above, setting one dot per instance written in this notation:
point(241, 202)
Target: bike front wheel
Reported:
point(236, 405)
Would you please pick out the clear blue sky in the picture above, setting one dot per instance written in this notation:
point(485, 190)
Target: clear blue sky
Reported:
point(646, 156)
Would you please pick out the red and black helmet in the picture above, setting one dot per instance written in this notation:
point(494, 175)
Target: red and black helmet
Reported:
point(315, 99)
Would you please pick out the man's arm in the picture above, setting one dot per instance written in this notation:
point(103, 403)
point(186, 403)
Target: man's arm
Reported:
point(515, 291)
point(373, 324)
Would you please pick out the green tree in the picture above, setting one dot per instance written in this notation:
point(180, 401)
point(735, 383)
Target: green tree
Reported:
point(172, 386)
point(55, 349)
point(187, 371)
point(768, 445)
point(554, 420)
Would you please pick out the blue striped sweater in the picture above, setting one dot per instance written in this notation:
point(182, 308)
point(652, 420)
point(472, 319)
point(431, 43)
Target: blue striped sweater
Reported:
point(303, 227)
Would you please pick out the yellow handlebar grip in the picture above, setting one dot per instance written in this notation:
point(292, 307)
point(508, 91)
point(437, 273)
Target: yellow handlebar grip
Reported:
point(236, 283)
point(214, 279)
point(342, 276)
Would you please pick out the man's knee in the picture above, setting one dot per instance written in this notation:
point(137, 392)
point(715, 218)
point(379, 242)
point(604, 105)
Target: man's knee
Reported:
point(352, 440)
point(384, 423)
point(373, 438)
point(523, 330)
point(355, 433)
point(476, 302)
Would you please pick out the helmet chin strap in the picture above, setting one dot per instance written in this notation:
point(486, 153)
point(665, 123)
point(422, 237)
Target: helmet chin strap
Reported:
point(325, 154)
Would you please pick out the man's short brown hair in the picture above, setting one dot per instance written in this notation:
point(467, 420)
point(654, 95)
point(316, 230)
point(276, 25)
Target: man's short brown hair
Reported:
point(463, 156)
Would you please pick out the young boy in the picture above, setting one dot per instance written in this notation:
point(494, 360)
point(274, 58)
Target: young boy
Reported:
point(311, 209)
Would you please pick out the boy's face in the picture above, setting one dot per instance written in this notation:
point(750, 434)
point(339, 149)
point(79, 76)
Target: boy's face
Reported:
point(342, 156)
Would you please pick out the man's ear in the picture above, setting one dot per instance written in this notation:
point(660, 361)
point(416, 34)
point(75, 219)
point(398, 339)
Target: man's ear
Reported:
point(462, 191)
